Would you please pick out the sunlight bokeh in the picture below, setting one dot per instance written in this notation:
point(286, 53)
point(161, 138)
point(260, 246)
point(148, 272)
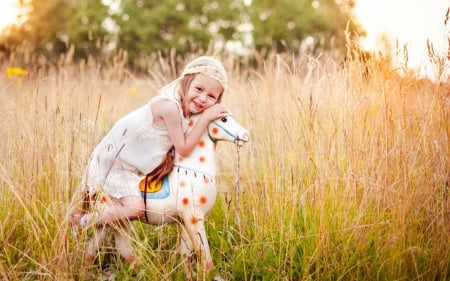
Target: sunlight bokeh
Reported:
point(8, 13)
point(410, 22)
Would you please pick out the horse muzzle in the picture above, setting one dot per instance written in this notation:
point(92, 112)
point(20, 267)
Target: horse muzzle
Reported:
point(242, 138)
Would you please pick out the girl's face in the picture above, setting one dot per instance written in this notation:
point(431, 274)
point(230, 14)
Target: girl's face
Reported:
point(202, 93)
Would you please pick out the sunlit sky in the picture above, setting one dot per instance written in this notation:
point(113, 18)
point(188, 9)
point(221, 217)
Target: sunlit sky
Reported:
point(410, 22)
point(7, 12)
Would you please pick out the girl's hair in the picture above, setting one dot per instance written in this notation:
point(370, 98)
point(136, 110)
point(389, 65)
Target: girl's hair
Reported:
point(164, 168)
point(185, 82)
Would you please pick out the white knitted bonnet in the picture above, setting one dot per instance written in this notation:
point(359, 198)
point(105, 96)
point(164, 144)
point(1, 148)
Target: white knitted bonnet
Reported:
point(208, 66)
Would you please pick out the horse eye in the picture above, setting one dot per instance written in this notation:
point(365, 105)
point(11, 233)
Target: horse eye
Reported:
point(224, 119)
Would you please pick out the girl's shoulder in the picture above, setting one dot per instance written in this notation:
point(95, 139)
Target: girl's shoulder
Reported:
point(167, 108)
point(164, 106)
point(164, 98)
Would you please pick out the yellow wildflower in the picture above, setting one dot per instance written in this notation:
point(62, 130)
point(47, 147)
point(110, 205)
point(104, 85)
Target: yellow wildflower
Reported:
point(15, 72)
point(132, 91)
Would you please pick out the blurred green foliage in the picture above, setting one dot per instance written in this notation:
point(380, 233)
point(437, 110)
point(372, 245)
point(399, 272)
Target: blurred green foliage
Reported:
point(141, 27)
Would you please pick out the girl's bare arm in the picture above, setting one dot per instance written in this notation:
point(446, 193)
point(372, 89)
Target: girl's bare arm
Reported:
point(184, 144)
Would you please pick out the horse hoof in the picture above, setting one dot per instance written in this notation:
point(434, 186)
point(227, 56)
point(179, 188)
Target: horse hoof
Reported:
point(209, 265)
point(89, 259)
point(218, 278)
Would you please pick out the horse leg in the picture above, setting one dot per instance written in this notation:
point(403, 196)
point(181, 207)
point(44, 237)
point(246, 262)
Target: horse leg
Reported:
point(195, 233)
point(186, 249)
point(108, 209)
point(123, 243)
point(94, 243)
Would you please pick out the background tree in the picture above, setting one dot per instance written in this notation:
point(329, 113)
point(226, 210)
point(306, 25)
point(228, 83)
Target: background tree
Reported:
point(87, 27)
point(42, 22)
point(142, 27)
point(48, 27)
point(283, 25)
point(186, 26)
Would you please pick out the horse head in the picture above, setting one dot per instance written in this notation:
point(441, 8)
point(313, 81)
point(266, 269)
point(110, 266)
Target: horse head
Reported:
point(227, 129)
point(202, 160)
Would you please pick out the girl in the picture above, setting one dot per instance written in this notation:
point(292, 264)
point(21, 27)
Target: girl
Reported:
point(139, 144)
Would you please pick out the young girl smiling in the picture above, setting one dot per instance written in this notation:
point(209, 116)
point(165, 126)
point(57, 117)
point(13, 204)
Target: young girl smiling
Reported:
point(139, 144)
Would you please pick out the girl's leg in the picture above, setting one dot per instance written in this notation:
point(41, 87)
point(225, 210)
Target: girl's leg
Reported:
point(108, 210)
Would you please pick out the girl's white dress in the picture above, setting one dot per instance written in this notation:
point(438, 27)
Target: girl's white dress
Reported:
point(130, 150)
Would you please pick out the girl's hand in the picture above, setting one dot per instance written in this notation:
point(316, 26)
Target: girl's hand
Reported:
point(216, 111)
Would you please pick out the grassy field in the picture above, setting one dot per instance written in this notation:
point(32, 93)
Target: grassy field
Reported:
point(346, 176)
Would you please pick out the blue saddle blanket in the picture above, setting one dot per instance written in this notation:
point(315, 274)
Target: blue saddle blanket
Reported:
point(164, 192)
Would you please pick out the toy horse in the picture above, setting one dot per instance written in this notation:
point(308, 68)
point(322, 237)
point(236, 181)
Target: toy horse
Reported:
point(185, 196)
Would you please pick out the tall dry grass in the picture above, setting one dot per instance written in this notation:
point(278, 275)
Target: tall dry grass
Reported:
point(346, 176)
